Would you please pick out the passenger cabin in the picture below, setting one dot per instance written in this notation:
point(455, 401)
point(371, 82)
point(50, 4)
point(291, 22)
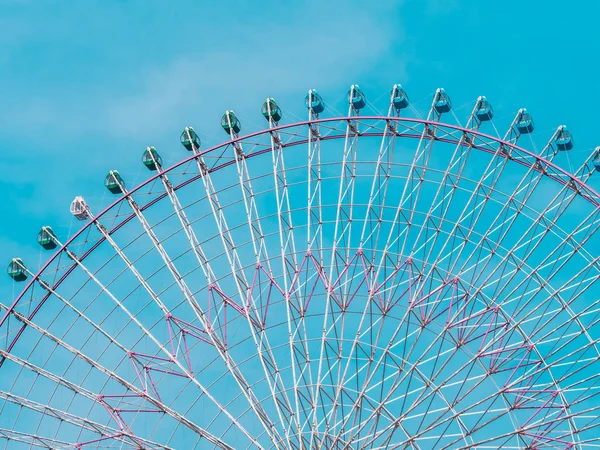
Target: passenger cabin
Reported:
point(596, 159)
point(399, 97)
point(79, 208)
point(46, 238)
point(524, 122)
point(114, 183)
point(356, 98)
point(442, 103)
point(564, 139)
point(483, 110)
point(17, 270)
point(189, 139)
point(230, 122)
point(314, 102)
point(152, 159)
point(271, 110)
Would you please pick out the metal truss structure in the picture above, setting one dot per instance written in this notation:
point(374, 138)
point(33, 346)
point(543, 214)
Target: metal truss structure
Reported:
point(367, 281)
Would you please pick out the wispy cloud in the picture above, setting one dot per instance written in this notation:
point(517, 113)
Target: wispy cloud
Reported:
point(299, 52)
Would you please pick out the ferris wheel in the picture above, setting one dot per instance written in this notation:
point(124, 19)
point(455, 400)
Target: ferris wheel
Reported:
point(369, 280)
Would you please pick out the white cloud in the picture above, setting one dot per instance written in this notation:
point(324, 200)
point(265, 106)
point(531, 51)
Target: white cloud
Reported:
point(315, 46)
point(298, 58)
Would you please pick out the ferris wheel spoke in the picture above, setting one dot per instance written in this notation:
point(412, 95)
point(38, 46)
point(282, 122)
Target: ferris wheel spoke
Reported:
point(142, 394)
point(392, 340)
point(439, 422)
point(219, 344)
point(378, 407)
point(529, 435)
point(314, 228)
point(93, 398)
point(374, 434)
point(476, 204)
point(563, 360)
point(264, 261)
point(416, 176)
point(284, 215)
point(341, 235)
point(50, 291)
point(369, 372)
point(379, 185)
point(472, 211)
point(44, 332)
point(355, 345)
point(104, 432)
point(440, 419)
point(542, 283)
point(566, 302)
point(166, 312)
point(400, 368)
point(214, 283)
point(360, 276)
point(410, 192)
point(527, 376)
point(551, 332)
point(502, 224)
point(429, 394)
point(541, 405)
point(356, 409)
point(557, 258)
point(244, 288)
point(446, 189)
point(459, 397)
point(314, 233)
point(448, 406)
point(132, 391)
point(399, 382)
point(33, 440)
point(295, 304)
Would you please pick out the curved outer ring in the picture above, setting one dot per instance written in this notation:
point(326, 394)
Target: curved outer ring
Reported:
point(574, 184)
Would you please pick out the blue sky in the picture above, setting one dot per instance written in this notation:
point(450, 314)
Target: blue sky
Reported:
point(85, 86)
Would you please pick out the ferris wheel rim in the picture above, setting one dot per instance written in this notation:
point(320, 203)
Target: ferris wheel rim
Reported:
point(397, 119)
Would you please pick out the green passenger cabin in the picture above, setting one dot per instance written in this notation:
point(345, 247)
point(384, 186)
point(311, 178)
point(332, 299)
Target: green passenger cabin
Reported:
point(17, 270)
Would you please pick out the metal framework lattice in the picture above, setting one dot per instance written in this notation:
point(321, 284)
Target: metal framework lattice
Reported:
point(381, 281)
